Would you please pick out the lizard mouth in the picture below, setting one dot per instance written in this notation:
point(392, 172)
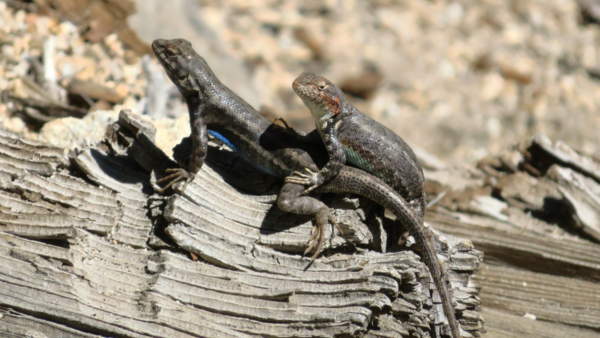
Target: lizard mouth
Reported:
point(158, 50)
point(296, 85)
point(157, 46)
point(301, 89)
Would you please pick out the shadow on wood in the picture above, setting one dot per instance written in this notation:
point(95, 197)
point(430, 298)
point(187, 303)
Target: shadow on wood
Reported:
point(85, 252)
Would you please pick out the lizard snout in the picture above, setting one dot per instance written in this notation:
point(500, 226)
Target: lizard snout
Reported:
point(303, 79)
point(158, 44)
point(296, 85)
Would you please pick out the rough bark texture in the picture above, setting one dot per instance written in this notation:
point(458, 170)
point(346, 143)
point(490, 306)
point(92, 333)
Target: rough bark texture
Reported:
point(88, 249)
point(534, 212)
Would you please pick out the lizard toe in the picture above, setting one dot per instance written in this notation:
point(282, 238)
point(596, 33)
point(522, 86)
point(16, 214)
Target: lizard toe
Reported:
point(314, 239)
point(319, 246)
point(335, 223)
point(178, 175)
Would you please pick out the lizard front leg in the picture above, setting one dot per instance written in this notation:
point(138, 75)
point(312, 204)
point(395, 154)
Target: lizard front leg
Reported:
point(337, 159)
point(290, 199)
point(199, 148)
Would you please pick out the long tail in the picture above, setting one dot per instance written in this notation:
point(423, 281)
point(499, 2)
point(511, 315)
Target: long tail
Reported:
point(355, 181)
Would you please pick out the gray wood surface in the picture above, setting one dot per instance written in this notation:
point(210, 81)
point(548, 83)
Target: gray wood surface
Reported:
point(89, 249)
point(534, 212)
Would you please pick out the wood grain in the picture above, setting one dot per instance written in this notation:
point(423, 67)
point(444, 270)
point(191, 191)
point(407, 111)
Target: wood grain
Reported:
point(89, 249)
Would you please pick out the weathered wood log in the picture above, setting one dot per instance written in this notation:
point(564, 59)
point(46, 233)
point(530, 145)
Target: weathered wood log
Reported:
point(89, 249)
point(534, 212)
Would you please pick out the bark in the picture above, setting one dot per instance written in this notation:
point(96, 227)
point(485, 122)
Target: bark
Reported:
point(89, 249)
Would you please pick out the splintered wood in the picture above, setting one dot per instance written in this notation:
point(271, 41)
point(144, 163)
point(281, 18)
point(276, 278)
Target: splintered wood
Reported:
point(534, 212)
point(88, 249)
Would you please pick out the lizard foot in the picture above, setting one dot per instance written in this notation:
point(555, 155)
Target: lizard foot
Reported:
point(316, 240)
point(179, 174)
point(311, 179)
point(299, 135)
point(318, 232)
point(285, 124)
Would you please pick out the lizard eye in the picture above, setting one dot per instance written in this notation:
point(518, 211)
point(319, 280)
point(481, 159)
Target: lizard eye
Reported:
point(321, 86)
point(170, 52)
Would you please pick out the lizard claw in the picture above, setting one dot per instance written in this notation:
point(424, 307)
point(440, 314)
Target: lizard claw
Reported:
point(311, 178)
point(313, 241)
point(309, 174)
point(318, 232)
point(179, 174)
point(335, 223)
point(285, 124)
point(297, 134)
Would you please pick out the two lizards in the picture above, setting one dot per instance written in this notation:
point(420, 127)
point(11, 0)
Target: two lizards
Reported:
point(271, 148)
point(351, 136)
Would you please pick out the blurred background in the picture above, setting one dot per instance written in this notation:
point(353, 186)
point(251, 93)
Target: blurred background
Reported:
point(459, 79)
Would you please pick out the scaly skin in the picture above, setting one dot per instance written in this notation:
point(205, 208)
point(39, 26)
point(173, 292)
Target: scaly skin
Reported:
point(351, 136)
point(265, 145)
point(272, 148)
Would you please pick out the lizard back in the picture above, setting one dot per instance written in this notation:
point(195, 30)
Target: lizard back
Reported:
point(374, 148)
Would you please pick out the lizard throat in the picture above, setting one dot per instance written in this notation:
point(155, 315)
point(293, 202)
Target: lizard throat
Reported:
point(319, 111)
point(322, 117)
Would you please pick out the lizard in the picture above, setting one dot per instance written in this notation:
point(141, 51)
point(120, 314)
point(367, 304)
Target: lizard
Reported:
point(272, 149)
point(351, 136)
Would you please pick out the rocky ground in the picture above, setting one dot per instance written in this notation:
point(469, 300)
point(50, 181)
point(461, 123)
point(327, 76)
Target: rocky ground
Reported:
point(460, 79)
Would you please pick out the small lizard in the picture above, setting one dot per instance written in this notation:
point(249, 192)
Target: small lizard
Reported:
point(350, 135)
point(273, 149)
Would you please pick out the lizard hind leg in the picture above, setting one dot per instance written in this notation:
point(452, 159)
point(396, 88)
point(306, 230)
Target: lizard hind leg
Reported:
point(291, 199)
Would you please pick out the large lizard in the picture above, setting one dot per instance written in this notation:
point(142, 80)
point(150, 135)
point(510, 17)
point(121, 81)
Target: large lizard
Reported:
point(271, 149)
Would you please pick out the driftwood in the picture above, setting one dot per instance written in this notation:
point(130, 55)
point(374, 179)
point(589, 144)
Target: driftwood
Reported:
point(89, 249)
point(534, 212)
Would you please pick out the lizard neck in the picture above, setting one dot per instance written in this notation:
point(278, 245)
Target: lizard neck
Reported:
point(320, 113)
point(322, 117)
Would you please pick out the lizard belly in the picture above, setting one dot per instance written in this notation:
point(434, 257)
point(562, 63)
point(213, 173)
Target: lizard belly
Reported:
point(394, 168)
point(241, 153)
point(354, 158)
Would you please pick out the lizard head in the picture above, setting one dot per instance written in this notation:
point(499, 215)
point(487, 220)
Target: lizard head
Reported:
point(179, 60)
point(323, 98)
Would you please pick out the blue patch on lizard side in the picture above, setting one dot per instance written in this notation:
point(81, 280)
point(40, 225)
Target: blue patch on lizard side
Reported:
point(239, 153)
point(355, 158)
point(224, 140)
